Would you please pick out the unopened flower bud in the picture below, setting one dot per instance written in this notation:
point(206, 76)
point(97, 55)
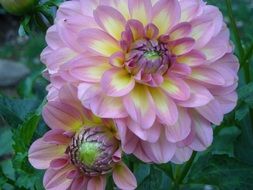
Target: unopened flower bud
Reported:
point(92, 150)
point(18, 7)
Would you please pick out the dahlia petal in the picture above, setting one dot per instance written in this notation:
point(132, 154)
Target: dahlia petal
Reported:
point(123, 177)
point(79, 183)
point(218, 46)
point(203, 133)
point(128, 139)
point(120, 5)
point(57, 179)
point(117, 82)
point(182, 29)
point(53, 39)
point(110, 20)
point(150, 135)
point(212, 112)
point(192, 59)
point(190, 9)
point(166, 109)
point(181, 129)
point(165, 13)
point(59, 163)
point(88, 6)
point(140, 10)
point(161, 151)
point(42, 153)
point(180, 70)
point(56, 136)
point(97, 183)
point(62, 116)
point(108, 107)
point(182, 155)
point(200, 96)
point(92, 70)
point(140, 154)
point(182, 46)
point(98, 42)
point(117, 59)
point(140, 106)
point(59, 57)
point(136, 28)
point(228, 102)
point(207, 75)
point(151, 31)
point(176, 88)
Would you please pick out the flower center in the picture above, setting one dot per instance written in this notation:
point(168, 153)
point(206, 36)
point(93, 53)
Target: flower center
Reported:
point(91, 151)
point(148, 60)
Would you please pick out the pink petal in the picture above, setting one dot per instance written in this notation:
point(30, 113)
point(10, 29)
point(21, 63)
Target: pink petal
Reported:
point(182, 155)
point(182, 29)
point(218, 46)
point(140, 106)
point(93, 98)
point(97, 183)
point(193, 58)
point(110, 20)
point(89, 69)
point(108, 107)
point(150, 135)
point(166, 108)
point(203, 133)
point(56, 136)
point(99, 42)
point(200, 96)
point(59, 163)
point(117, 82)
point(57, 179)
point(117, 59)
point(140, 10)
point(165, 14)
point(176, 88)
point(53, 39)
point(79, 183)
point(190, 9)
point(62, 116)
point(182, 46)
point(181, 129)
point(207, 75)
point(212, 112)
point(228, 102)
point(160, 152)
point(123, 177)
point(42, 153)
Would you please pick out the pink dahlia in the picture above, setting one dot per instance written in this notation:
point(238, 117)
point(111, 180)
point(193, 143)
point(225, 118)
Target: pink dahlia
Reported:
point(80, 150)
point(163, 69)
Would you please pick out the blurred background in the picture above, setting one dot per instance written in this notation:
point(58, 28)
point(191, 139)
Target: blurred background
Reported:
point(21, 42)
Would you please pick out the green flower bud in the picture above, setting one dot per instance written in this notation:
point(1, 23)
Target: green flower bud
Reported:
point(18, 7)
point(92, 150)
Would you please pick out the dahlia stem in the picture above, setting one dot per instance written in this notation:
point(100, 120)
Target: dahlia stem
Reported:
point(235, 31)
point(185, 170)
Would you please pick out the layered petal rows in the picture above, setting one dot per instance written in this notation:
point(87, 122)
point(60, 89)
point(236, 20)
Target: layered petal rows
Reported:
point(162, 70)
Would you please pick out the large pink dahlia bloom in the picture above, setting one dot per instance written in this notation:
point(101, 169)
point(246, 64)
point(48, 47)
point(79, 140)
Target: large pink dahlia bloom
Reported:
point(163, 69)
point(80, 150)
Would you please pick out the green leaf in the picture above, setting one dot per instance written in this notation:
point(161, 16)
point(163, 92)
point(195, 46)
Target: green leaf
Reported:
point(224, 172)
point(224, 140)
point(23, 135)
point(141, 171)
point(245, 91)
point(241, 112)
point(156, 180)
point(14, 111)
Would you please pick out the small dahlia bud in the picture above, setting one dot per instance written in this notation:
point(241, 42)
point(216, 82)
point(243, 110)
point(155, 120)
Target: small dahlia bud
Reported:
point(92, 150)
point(18, 7)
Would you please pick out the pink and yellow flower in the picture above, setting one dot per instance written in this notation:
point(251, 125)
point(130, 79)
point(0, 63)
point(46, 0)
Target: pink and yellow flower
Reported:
point(163, 69)
point(80, 150)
